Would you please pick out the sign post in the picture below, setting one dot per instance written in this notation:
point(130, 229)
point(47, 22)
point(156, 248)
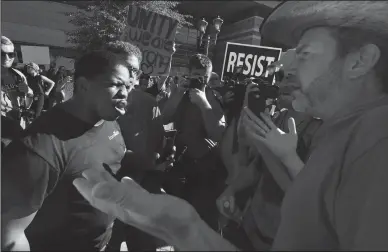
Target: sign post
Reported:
point(252, 59)
point(154, 34)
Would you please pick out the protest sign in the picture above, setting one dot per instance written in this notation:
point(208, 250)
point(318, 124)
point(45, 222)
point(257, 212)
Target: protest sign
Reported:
point(253, 60)
point(154, 34)
point(36, 54)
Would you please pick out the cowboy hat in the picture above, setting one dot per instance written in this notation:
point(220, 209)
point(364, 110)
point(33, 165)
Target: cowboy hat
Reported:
point(290, 19)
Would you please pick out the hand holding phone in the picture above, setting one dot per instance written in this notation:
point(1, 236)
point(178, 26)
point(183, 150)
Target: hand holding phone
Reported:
point(168, 149)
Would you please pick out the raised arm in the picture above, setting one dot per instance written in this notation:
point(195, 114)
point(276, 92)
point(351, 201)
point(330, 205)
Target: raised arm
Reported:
point(164, 216)
point(172, 103)
point(50, 82)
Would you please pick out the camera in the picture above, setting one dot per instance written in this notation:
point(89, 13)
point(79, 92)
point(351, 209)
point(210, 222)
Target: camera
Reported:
point(198, 83)
point(257, 100)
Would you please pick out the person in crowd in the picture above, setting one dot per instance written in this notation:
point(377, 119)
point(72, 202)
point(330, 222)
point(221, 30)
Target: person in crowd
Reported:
point(58, 95)
point(200, 123)
point(37, 83)
point(82, 133)
point(338, 199)
point(15, 94)
point(42, 70)
point(52, 72)
point(215, 81)
point(143, 133)
point(68, 88)
point(144, 82)
point(153, 87)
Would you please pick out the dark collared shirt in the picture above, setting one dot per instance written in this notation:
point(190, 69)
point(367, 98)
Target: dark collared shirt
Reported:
point(339, 200)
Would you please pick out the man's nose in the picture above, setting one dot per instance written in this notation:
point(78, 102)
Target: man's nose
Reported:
point(123, 92)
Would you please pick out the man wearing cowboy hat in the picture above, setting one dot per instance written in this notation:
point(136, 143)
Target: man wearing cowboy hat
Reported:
point(338, 201)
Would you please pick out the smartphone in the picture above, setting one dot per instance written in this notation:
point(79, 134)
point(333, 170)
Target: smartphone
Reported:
point(170, 142)
point(256, 103)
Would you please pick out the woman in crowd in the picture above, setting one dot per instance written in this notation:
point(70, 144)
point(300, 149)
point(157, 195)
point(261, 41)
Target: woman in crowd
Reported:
point(58, 95)
point(37, 82)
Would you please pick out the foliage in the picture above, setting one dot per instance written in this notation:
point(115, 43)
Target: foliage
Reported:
point(104, 21)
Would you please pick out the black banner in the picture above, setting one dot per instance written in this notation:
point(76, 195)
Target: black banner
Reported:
point(253, 60)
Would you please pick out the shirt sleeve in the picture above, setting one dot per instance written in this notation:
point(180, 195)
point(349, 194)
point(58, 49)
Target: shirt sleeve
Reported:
point(26, 180)
point(361, 206)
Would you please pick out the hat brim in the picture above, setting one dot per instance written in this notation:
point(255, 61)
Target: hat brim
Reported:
point(286, 24)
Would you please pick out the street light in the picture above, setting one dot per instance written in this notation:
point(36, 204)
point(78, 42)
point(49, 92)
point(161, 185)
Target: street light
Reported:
point(210, 32)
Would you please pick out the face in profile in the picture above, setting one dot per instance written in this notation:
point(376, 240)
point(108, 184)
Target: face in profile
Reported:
point(7, 55)
point(318, 70)
point(31, 70)
point(109, 91)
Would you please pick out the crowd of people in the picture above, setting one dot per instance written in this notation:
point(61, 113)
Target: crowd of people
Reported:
point(186, 161)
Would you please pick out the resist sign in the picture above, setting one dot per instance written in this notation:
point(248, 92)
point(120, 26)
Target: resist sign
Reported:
point(154, 34)
point(253, 59)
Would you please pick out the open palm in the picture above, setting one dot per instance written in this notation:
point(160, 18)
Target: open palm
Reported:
point(161, 215)
point(264, 131)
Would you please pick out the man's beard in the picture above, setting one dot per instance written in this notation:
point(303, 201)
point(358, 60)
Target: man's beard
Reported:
point(323, 86)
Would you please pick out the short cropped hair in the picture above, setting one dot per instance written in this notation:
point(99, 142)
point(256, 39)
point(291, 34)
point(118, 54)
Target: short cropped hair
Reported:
point(200, 61)
point(351, 39)
point(6, 41)
point(94, 63)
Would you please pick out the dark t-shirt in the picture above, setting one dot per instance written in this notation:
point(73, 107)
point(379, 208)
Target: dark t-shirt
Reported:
point(36, 84)
point(190, 125)
point(37, 175)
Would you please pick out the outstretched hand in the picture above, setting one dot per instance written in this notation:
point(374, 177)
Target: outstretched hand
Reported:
point(263, 130)
point(161, 215)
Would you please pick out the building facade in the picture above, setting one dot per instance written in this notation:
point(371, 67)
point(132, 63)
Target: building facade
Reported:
point(41, 24)
point(44, 24)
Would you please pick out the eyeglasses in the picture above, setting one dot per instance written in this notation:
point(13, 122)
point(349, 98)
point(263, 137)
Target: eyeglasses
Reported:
point(135, 72)
point(10, 54)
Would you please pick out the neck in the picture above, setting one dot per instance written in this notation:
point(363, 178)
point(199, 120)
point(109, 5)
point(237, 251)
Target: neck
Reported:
point(349, 99)
point(79, 108)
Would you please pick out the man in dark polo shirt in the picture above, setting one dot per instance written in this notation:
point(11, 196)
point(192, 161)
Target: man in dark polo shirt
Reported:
point(41, 209)
point(199, 120)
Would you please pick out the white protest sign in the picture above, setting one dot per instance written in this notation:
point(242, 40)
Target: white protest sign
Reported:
point(154, 34)
point(37, 54)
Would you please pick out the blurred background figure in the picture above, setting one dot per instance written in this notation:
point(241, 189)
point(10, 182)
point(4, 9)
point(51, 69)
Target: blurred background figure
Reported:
point(37, 83)
point(144, 82)
point(68, 88)
point(58, 95)
point(52, 71)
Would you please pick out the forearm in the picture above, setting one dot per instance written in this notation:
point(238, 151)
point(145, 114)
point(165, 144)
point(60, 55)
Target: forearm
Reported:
point(201, 237)
point(294, 164)
point(50, 88)
point(246, 178)
point(213, 125)
point(171, 105)
point(14, 242)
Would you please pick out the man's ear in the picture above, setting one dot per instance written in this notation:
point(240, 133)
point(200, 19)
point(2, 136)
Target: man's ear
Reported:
point(363, 60)
point(83, 85)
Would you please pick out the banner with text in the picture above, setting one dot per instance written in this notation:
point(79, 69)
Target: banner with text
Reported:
point(253, 60)
point(154, 34)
